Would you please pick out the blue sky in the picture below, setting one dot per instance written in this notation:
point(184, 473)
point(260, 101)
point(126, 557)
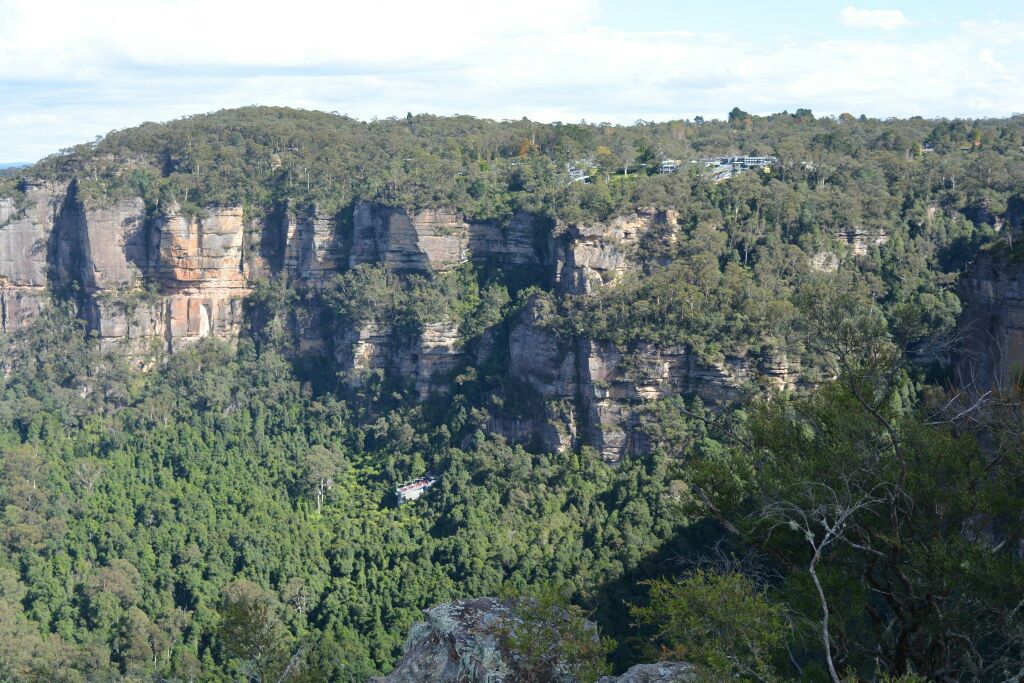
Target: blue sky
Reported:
point(71, 70)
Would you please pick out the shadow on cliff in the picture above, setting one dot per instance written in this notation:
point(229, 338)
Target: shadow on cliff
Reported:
point(64, 254)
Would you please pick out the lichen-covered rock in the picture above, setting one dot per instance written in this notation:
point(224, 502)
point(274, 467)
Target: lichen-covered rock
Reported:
point(404, 241)
point(659, 672)
point(460, 642)
point(457, 642)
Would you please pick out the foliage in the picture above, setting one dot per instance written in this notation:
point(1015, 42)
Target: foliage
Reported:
point(552, 638)
point(718, 620)
point(217, 517)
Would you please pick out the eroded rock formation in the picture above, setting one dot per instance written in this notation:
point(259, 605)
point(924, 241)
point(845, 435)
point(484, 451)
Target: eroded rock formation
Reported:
point(150, 279)
point(605, 386)
point(26, 229)
point(588, 256)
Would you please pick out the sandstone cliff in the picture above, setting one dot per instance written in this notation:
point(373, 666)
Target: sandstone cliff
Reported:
point(992, 326)
point(152, 279)
point(594, 390)
point(26, 251)
point(587, 256)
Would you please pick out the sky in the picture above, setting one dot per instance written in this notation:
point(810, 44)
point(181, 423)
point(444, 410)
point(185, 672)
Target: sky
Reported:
point(71, 70)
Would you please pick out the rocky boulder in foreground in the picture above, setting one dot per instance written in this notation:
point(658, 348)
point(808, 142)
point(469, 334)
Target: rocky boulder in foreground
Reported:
point(458, 642)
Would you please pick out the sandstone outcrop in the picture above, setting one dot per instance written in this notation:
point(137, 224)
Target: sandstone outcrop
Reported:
point(26, 232)
point(427, 360)
point(659, 672)
point(405, 241)
point(314, 249)
point(607, 386)
point(862, 239)
point(160, 278)
point(512, 244)
point(588, 256)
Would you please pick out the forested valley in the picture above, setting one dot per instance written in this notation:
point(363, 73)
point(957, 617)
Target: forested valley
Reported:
point(757, 429)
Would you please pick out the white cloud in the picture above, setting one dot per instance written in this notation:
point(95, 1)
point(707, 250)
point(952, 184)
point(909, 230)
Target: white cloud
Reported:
point(885, 19)
point(112, 63)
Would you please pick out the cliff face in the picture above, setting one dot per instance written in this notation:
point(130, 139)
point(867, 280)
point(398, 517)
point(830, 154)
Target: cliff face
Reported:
point(598, 390)
point(992, 325)
point(156, 280)
point(588, 256)
point(402, 241)
point(437, 239)
point(26, 252)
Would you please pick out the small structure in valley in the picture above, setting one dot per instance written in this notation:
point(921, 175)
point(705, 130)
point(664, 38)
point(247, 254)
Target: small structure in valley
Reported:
point(670, 165)
point(411, 490)
point(728, 166)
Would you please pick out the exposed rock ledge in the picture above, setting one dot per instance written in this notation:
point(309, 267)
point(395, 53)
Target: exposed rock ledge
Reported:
point(456, 643)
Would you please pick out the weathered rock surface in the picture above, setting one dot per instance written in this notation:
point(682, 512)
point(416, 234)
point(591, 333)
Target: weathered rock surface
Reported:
point(169, 280)
point(314, 248)
point(514, 244)
point(25, 252)
point(609, 386)
point(538, 357)
point(862, 239)
point(433, 357)
point(992, 325)
point(659, 672)
point(426, 360)
point(588, 256)
point(403, 241)
point(458, 642)
point(201, 250)
point(114, 244)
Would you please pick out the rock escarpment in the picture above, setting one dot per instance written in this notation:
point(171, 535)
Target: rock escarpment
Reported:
point(404, 241)
point(861, 239)
point(597, 390)
point(156, 278)
point(459, 642)
point(26, 246)
point(588, 256)
point(437, 239)
point(426, 359)
point(992, 326)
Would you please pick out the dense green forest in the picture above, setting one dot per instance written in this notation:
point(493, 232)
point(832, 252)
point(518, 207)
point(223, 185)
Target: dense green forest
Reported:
point(231, 509)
